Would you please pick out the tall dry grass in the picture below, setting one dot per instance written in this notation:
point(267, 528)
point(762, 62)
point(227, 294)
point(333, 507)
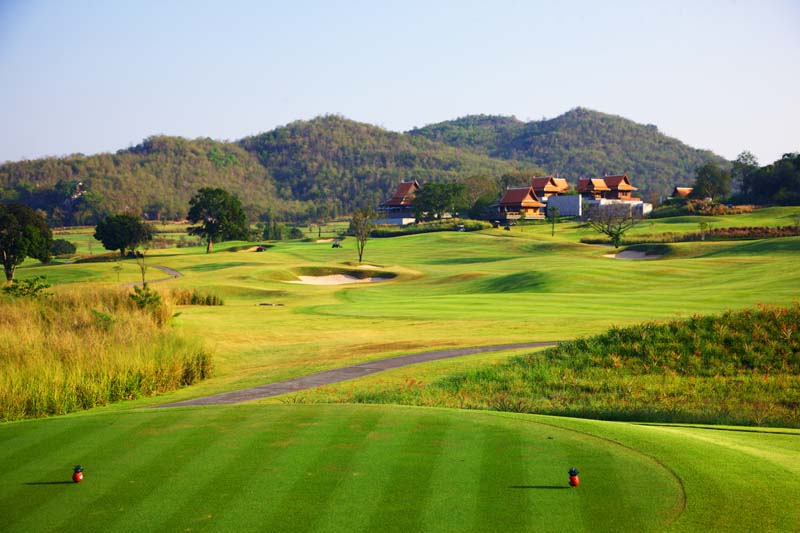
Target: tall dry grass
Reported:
point(86, 347)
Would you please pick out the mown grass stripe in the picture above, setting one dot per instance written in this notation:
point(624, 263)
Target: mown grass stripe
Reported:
point(42, 481)
point(501, 468)
point(409, 484)
point(455, 481)
point(123, 474)
point(363, 484)
point(251, 484)
point(198, 488)
point(307, 474)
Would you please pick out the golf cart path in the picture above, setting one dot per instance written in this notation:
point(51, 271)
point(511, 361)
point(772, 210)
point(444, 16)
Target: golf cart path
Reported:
point(343, 374)
point(166, 270)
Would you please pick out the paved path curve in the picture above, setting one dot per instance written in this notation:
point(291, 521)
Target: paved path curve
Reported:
point(343, 374)
point(166, 270)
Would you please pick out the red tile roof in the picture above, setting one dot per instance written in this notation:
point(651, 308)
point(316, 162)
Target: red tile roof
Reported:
point(404, 194)
point(520, 196)
point(682, 191)
point(619, 183)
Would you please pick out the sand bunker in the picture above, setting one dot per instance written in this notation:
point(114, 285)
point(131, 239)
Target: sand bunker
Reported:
point(633, 256)
point(335, 279)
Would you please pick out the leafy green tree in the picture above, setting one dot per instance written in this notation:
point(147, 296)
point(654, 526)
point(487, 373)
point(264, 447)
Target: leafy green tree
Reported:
point(435, 199)
point(361, 225)
point(123, 232)
point(612, 220)
point(712, 181)
point(743, 166)
point(23, 233)
point(778, 183)
point(62, 247)
point(220, 215)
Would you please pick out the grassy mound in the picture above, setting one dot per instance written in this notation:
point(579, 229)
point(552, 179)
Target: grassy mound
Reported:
point(82, 348)
point(740, 367)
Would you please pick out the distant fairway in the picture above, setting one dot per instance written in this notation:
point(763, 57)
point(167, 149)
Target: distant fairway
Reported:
point(451, 290)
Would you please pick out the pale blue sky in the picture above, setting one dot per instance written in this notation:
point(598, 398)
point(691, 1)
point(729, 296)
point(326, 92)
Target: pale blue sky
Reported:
point(93, 76)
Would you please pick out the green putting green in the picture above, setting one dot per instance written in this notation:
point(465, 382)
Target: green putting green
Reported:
point(335, 468)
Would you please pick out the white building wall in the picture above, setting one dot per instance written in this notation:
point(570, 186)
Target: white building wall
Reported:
point(568, 206)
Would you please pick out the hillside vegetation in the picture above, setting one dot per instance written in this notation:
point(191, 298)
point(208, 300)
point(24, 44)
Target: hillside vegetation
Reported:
point(342, 164)
point(330, 165)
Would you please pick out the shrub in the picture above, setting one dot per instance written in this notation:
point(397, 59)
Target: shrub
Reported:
point(194, 297)
point(429, 227)
point(713, 234)
point(62, 247)
point(33, 287)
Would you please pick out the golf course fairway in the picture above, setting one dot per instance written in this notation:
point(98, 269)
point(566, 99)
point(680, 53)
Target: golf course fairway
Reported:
point(348, 468)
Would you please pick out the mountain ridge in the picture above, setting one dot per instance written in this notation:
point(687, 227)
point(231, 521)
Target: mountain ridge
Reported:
point(328, 165)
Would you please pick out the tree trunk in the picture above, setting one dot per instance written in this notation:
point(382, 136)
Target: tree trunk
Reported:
point(208, 246)
point(9, 268)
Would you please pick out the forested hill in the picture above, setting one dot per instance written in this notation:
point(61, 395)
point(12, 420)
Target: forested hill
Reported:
point(329, 165)
point(322, 167)
point(345, 163)
point(579, 143)
point(155, 178)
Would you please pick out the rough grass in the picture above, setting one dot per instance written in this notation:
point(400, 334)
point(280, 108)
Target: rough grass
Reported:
point(80, 349)
point(737, 368)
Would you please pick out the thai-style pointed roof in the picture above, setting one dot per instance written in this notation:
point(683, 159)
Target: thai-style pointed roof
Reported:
point(520, 196)
point(682, 191)
point(404, 194)
point(619, 182)
point(592, 184)
point(549, 184)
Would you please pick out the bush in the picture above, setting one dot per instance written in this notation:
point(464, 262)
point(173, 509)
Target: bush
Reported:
point(33, 287)
point(194, 297)
point(678, 207)
point(62, 247)
point(713, 234)
point(429, 227)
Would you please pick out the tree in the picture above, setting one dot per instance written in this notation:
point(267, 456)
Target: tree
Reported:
point(552, 214)
point(435, 199)
point(711, 181)
point(220, 215)
point(612, 220)
point(23, 233)
point(778, 183)
point(361, 225)
point(743, 166)
point(62, 247)
point(123, 232)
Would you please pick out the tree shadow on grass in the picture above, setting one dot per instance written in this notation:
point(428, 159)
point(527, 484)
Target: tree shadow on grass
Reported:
point(538, 487)
point(50, 483)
